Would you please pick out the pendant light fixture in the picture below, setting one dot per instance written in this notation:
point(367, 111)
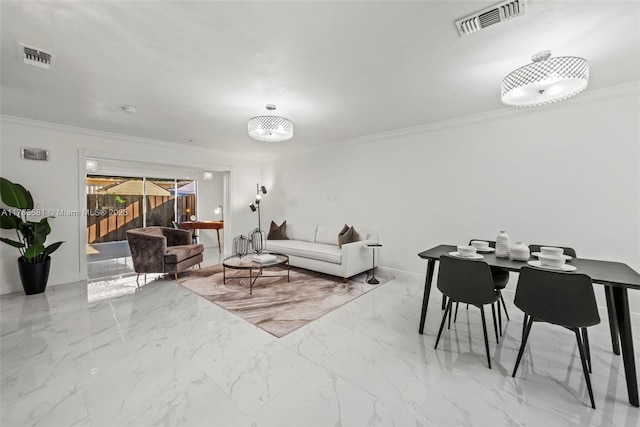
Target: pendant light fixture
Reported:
point(545, 80)
point(270, 128)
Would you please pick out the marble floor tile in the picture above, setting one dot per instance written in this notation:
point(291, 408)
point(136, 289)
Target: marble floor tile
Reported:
point(258, 375)
point(160, 355)
point(319, 398)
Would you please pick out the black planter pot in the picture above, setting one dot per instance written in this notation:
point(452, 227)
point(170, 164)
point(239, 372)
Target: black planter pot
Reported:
point(34, 276)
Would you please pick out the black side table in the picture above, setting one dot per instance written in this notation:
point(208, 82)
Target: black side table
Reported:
point(373, 246)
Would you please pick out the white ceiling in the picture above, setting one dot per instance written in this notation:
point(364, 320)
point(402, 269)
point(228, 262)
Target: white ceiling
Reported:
point(197, 71)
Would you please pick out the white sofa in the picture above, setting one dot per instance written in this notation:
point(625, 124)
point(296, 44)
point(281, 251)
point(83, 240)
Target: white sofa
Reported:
point(315, 247)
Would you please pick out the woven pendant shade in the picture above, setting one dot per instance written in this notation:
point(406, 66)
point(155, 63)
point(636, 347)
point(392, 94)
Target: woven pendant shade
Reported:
point(270, 128)
point(545, 80)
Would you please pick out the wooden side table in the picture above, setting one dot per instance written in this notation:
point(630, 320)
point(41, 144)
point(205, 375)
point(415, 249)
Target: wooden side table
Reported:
point(204, 225)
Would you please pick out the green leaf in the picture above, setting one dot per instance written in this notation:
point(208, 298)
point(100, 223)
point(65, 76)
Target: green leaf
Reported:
point(26, 230)
point(36, 232)
point(33, 251)
point(9, 221)
point(27, 196)
point(51, 248)
point(43, 226)
point(40, 231)
point(12, 242)
point(13, 195)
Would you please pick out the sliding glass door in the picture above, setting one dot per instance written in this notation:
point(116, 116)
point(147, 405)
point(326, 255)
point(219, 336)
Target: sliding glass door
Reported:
point(114, 205)
point(117, 204)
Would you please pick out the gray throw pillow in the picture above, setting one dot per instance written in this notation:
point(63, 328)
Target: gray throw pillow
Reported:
point(278, 232)
point(348, 235)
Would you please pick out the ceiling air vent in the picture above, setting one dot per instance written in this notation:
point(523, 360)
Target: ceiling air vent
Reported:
point(491, 15)
point(36, 57)
point(34, 154)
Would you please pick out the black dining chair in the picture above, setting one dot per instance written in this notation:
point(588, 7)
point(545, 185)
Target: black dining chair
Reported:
point(585, 336)
point(559, 298)
point(500, 279)
point(572, 253)
point(470, 282)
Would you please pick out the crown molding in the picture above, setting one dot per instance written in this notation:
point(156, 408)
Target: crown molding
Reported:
point(117, 136)
point(505, 112)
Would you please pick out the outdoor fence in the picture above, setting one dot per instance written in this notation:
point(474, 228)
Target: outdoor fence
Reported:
point(110, 216)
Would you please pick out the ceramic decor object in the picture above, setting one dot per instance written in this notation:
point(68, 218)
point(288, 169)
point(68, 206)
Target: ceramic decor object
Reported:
point(502, 245)
point(519, 252)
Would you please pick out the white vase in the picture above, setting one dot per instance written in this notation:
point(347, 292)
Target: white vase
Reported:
point(519, 252)
point(502, 245)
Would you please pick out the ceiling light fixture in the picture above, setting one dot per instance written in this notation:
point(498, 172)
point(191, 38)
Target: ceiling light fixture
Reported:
point(545, 80)
point(270, 128)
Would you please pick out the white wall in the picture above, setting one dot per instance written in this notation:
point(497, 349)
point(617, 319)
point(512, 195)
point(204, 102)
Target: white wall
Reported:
point(210, 195)
point(564, 174)
point(56, 184)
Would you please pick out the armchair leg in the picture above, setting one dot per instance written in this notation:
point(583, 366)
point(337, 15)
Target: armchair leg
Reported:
point(175, 276)
point(145, 279)
point(199, 266)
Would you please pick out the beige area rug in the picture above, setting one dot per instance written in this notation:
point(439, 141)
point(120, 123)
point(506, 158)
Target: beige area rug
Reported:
point(276, 306)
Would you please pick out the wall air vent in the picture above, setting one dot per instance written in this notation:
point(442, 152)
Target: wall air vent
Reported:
point(36, 57)
point(34, 154)
point(491, 15)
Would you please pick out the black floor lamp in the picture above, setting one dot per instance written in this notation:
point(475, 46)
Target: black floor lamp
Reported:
point(256, 236)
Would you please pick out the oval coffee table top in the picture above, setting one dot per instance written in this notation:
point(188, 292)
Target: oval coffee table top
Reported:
point(249, 262)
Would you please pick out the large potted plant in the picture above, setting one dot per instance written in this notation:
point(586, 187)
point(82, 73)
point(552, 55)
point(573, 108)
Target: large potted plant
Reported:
point(34, 261)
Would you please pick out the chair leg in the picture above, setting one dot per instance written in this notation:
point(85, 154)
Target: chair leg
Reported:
point(486, 339)
point(525, 337)
point(199, 266)
point(525, 319)
point(450, 310)
point(583, 359)
point(444, 318)
point(587, 350)
point(138, 279)
point(455, 317)
point(175, 276)
point(506, 313)
point(495, 325)
point(499, 316)
point(444, 301)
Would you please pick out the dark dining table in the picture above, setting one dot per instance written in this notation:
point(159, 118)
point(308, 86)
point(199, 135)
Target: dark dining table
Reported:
point(616, 277)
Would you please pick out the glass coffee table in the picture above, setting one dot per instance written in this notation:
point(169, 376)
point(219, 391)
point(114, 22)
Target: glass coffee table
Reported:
point(254, 267)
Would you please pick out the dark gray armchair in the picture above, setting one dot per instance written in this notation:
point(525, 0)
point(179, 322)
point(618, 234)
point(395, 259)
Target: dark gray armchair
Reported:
point(163, 250)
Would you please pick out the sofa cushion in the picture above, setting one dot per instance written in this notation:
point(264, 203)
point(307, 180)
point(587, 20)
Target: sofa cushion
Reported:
point(328, 234)
point(176, 254)
point(277, 232)
point(349, 235)
point(319, 251)
point(303, 232)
